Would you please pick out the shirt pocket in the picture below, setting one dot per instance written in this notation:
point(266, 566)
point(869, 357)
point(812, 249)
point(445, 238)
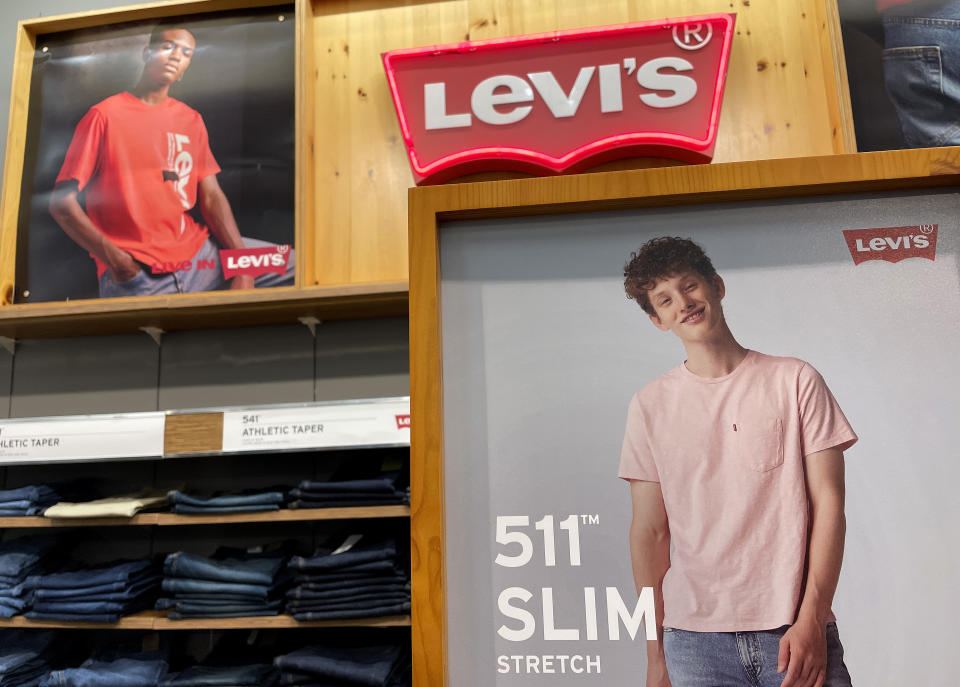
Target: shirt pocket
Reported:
point(760, 443)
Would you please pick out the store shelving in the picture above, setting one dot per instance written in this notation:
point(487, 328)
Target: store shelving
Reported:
point(157, 620)
point(173, 519)
point(200, 434)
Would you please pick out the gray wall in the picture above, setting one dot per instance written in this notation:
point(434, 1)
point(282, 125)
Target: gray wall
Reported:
point(205, 368)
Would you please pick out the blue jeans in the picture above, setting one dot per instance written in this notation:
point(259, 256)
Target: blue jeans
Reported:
point(374, 666)
point(20, 557)
point(364, 552)
point(348, 593)
point(739, 659)
point(176, 585)
point(193, 280)
point(921, 64)
point(183, 509)
point(211, 502)
point(129, 572)
point(113, 591)
point(363, 571)
point(255, 570)
point(217, 605)
point(225, 676)
point(383, 485)
point(123, 672)
point(23, 655)
point(346, 614)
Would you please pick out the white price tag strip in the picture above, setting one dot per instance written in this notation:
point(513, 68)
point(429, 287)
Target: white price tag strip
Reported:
point(376, 423)
point(137, 435)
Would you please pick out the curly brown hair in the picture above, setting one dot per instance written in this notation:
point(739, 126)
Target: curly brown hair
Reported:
point(659, 258)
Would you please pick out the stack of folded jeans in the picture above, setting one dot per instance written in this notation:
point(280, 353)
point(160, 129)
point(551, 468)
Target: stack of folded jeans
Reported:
point(231, 584)
point(99, 594)
point(378, 491)
point(32, 500)
point(244, 502)
point(362, 578)
point(141, 670)
point(257, 675)
point(21, 561)
point(381, 665)
point(26, 655)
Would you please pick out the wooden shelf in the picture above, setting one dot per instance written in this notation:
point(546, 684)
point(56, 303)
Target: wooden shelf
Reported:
point(157, 620)
point(173, 519)
point(203, 310)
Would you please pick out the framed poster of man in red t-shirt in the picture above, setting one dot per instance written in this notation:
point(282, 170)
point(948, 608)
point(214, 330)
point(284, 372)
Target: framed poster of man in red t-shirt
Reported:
point(160, 158)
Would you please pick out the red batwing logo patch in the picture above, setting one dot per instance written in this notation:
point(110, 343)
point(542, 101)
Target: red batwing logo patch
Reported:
point(892, 244)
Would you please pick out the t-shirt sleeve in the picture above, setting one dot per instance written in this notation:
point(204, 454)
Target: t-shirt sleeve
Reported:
point(822, 423)
point(206, 164)
point(636, 456)
point(83, 155)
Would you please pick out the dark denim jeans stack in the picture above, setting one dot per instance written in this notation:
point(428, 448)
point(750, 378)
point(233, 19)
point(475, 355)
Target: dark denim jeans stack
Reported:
point(21, 561)
point(224, 676)
point(99, 594)
point(244, 502)
point(142, 670)
point(231, 584)
point(30, 500)
point(380, 665)
point(364, 577)
point(379, 491)
point(27, 655)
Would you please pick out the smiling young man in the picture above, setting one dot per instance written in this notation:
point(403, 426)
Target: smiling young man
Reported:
point(138, 163)
point(736, 459)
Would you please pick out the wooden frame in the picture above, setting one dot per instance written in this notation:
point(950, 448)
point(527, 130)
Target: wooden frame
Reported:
point(129, 314)
point(839, 174)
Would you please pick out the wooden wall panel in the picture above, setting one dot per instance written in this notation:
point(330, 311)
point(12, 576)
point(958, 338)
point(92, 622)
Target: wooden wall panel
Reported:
point(784, 98)
point(362, 175)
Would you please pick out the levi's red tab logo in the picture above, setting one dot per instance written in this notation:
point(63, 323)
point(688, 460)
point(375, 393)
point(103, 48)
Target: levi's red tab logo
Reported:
point(254, 261)
point(403, 422)
point(560, 101)
point(892, 244)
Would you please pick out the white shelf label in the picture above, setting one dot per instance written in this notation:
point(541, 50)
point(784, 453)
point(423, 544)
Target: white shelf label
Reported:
point(329, 426)
point(82, 438)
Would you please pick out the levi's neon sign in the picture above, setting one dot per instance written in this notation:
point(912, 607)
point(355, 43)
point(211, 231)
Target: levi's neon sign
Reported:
point(562, 101)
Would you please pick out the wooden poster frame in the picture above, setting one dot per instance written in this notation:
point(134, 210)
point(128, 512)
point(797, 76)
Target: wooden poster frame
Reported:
point(429, 206)
point(216, 308)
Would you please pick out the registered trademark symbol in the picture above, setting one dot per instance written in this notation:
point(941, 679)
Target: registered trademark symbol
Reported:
point(926, 228)
point(692, 36)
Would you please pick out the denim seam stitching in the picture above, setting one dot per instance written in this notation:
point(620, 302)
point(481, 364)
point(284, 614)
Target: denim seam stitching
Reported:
point(923, 21)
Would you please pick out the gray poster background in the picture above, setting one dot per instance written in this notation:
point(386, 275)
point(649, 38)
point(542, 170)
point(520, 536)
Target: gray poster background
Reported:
point(542, 352)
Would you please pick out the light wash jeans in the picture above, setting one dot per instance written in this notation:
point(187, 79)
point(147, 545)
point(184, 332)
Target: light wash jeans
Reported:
point(739, 659)
point(921, 65)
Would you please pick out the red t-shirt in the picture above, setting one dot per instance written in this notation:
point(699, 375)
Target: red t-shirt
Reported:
point(138, 166)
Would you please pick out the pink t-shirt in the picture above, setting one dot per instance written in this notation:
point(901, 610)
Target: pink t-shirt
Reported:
point(728, 453)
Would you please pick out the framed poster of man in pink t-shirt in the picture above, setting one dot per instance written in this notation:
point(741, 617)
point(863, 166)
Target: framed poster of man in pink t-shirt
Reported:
point(160, 158)
point(774, 383)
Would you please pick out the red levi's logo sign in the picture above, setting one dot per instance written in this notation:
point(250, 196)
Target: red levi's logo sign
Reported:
point(254, 261)
point(562, 101)
point(403, 421)
point(892, 244)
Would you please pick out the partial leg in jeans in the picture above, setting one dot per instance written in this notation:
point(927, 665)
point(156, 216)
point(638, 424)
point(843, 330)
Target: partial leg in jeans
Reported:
point(921, 65)
point(739, 659)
